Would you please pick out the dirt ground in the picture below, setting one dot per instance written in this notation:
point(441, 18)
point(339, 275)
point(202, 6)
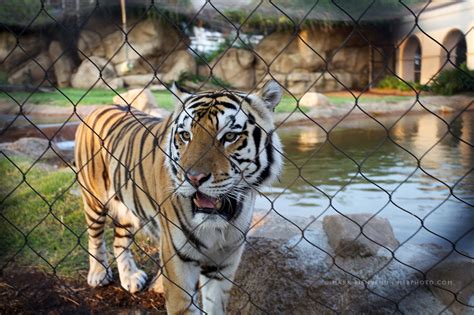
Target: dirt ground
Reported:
point(32, 291)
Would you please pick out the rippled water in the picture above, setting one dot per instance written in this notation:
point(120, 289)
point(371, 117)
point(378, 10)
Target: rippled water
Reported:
point(358, 170)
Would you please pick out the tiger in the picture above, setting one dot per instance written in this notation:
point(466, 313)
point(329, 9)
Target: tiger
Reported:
point(189, 180)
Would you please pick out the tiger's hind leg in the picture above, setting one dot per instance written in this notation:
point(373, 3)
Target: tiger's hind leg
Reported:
point(131, 277)
point(99, 269)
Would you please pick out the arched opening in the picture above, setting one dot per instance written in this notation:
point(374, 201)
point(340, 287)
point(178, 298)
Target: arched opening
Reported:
point(455, 44)
point(412, 60)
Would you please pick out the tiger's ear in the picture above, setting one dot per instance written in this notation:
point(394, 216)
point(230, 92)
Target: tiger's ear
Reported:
point(180, 94)
point(271, 94)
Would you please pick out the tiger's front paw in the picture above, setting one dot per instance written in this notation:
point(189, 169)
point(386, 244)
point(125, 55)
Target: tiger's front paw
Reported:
point(99, 276)
point(157, 284)
point(133, 281)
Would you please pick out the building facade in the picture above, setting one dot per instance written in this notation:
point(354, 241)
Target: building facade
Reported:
point(441, 38)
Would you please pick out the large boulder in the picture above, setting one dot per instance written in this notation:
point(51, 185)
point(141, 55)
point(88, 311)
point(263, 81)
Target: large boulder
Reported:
point(354, 59)
point(63, 64)
point(33, 71)
point(12, 54)
point(176, 64)
point(31, 148)
point(145, 38)
point(359, 234)
point(140, 80)
point(455, 275)
point(91, 70)
point(90, 44)
point(7, 45)
point(314, 99)
point(141, 99)
point(144, 50)
point(96, 29)
point(295, 272)
point(303, 57)
point(301, 82)
point(282, 52)
point(236, 66)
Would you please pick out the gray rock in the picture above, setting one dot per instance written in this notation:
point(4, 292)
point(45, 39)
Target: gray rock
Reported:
point(455, 275)
point(115, 83)
point(32, 71)
point(63, 64)
point(146, 38)
point(90, 44)
point(355, 59)
point(236, 67)
point(140, 80)
point(12, 56)
point(34, 148)
point(346, 238)
point(7, 44)
point(89, 72)
point(181, 61)
point(298, 276)
point(141, 99)
point(314, 99)
point(295, 55)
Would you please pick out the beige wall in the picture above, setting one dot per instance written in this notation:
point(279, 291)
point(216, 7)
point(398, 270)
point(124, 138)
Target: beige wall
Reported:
point(439, 21)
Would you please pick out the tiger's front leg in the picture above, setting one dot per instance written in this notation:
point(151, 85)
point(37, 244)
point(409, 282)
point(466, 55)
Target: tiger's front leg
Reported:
point(216, 281)
point(132, 278)
point(179, 279)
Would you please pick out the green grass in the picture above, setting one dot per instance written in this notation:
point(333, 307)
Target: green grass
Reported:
point(42, 222)
point(34, 219)
point(103, 97)
point(70, 96)
point(164, 98)
point(288, 104)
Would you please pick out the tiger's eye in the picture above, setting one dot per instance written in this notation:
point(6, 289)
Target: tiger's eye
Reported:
point(230, 136)
point(185, 136)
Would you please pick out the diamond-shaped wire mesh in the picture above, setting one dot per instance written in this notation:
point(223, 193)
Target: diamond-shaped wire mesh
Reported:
point(373, 212)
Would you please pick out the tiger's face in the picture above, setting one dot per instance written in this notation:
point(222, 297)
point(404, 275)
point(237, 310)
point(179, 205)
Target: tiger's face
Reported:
point(222, 146)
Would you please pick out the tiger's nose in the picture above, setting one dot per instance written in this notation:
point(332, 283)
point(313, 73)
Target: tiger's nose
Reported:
point(196, 179)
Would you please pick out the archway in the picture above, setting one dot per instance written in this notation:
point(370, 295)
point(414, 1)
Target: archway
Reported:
point(412, 60)
point(455, 44)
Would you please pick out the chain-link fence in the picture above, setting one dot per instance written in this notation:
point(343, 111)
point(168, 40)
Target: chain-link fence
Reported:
point(373, 211)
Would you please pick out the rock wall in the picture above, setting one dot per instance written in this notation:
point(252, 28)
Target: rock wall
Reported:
point(102, 58)
point(316, 59)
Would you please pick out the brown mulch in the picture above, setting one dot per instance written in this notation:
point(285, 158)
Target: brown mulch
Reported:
point(33, 291)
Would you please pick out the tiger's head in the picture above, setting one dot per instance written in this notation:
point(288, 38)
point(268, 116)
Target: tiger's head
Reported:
point(222, 147)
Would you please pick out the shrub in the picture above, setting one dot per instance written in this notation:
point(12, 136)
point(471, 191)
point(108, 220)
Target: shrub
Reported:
point(394, 83)
point(449, 82)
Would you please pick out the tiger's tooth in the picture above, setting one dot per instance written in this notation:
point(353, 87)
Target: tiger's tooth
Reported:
point(196, 202)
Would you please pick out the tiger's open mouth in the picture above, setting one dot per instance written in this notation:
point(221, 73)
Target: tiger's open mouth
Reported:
point(226, 207)
point(206, 204)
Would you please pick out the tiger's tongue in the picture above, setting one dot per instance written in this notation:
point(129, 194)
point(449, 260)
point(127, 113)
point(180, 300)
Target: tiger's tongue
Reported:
point(205, 201)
